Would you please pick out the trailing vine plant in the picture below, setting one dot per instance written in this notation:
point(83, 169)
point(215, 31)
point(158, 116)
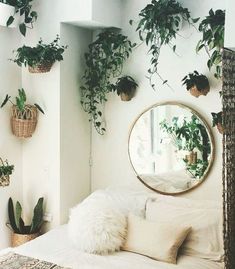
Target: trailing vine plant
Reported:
point(104, 61)
point(24, 9)
point(212, 29)
point(158, 25)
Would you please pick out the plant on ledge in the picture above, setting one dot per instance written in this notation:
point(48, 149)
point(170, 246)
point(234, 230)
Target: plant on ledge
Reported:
point(125, 87)
point(104, 61)
point(197, 84)
point(40, 59)
point(24, 116)
point(24, 9)
point(212, 29)
point(158, 25)
point(5, 172)
point(21, 232)
point(217, 119)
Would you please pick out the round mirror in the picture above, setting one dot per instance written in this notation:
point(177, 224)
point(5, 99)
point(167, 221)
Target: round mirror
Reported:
point(171, 148)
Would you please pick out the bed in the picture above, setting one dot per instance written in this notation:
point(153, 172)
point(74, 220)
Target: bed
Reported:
point(56, 247)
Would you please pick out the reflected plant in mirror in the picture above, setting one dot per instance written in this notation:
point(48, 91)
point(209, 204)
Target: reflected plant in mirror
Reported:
point(171, 148)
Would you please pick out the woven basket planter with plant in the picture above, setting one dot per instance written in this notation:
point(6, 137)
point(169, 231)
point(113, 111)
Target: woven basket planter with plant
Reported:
point(197, 84)
point(22, 233)
point(5, 172)
point(40, 59)
point(24, 117)
point(126, 88)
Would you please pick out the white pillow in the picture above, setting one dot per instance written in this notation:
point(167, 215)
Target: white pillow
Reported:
point(157, 240)
point(96, 226)
point(205, 239)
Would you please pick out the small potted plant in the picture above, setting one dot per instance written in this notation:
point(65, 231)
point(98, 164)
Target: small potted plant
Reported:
point(5, 172)
point(11, 10)
point(40, 59)
point(126, 87)
point(24, 116)
point(23, 233)
point(197, 84)
point(217, 120)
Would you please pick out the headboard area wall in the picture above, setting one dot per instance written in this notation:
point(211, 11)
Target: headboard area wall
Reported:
point(110, 161)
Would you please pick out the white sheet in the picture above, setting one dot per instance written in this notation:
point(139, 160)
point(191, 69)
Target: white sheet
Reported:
point(55, 247)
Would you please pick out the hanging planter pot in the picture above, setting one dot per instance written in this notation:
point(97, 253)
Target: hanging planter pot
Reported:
point(5, 172)
point(40, 59)
point(217, 120)
point(24, 117)
point(197, 84)
point(126, 88)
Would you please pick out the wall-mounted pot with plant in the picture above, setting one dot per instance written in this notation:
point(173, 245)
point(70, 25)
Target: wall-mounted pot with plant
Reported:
point(197, 84)
point(5, 171)
point(40, 59)
point(217, 120)
point(212, 29)
point(22, 233)
point(15, 12)
point(158, 25)
point(24, 116)
point(126, 87)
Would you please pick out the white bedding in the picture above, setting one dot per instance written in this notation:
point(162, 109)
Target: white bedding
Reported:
point(55, 247)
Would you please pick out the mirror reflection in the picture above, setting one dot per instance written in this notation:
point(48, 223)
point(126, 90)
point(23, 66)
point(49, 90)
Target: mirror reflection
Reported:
point(170, 148)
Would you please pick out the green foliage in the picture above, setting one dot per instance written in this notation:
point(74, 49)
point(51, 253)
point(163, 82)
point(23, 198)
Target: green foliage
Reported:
point(197, 169)
point(17, 223)
point(41, 54)
point(212, 29)
point(196, 79)
point(6, 169)
point(217, 118)
point(125, 84)
point(20, 102)
point(104, 61)
point(24, 9)
point(158, 25)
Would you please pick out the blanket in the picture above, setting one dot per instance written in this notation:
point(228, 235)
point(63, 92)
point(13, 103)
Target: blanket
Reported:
point(16, 261)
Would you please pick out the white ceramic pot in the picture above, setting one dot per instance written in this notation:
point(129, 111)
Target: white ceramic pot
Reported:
point(5, 12)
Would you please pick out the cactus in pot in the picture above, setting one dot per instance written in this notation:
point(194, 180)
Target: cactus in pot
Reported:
point(22, 232)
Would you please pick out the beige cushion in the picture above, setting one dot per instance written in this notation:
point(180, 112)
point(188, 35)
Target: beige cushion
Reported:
point(205, 239)
point(157, 240)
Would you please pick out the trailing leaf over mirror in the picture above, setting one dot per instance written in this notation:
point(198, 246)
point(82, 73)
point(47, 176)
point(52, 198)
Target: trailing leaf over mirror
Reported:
point(104, 61)
point(158, 25)
point(212, 29)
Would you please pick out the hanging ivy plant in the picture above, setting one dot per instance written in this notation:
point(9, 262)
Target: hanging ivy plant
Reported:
point(104, 61)
point(158, 25)
point(24, 9)
point(212, 29)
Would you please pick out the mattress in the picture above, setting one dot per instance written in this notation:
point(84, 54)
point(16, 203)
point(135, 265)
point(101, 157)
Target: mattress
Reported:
point(55, 247)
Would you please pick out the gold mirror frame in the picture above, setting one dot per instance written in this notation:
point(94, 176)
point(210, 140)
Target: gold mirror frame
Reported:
point(211, 138)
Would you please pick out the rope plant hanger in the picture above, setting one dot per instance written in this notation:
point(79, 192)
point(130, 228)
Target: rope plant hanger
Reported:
point(229, 156)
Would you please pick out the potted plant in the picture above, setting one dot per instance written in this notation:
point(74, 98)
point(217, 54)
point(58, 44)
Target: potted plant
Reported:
point(24, 116)
point(212, 29)
point(126, 87)
point(11, 9)
point(197, 84)
point(104, 61)
point(5, 172)
point(23, 233)
point(158, 25)
point(217, 120)
point(40, 59)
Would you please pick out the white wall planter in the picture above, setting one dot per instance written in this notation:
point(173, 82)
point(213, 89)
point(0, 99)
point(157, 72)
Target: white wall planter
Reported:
point(5, 12)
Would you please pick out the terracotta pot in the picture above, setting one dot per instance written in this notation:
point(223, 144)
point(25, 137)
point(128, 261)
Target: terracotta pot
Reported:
point(196, 93)
point(20, 239)
point(40, 68)
point(191, 157)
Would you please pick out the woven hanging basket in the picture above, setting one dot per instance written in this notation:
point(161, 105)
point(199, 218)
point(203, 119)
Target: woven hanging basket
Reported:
point(20, 239)
point(24, 123)
point(41, 68)
point(129, 96)
point(196, 93)
point(4, 179)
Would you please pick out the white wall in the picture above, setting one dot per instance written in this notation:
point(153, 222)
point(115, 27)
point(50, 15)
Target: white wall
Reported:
point(111, 165)
point(229, 22)
point(10, 146)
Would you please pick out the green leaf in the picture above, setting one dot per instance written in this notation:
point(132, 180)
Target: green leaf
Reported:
point(10, 21)
point(37, 216)
point(131, 22)
point(7, 98)
point(18, 214)
point(39, 108)
point(22, 28)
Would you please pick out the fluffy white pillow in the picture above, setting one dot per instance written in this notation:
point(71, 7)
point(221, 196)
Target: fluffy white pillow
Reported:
point(96, 226)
